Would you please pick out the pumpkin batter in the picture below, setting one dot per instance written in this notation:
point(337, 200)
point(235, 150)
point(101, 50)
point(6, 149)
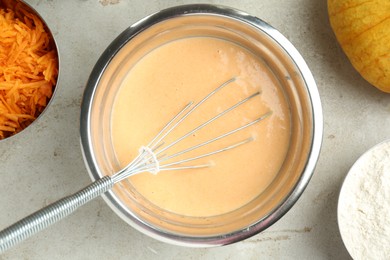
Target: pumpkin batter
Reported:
point(162, 83)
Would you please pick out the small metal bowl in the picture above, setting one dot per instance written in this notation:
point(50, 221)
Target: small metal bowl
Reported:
point(18, 6)
point(295, 80)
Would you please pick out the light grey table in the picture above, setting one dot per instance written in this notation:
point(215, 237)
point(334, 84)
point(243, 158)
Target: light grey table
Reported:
point(45, 163)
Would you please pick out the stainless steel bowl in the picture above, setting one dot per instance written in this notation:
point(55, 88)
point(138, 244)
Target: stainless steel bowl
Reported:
point(295, 79)
point(18, 6)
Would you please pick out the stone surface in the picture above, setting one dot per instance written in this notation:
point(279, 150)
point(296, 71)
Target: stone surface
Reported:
point(45, 162)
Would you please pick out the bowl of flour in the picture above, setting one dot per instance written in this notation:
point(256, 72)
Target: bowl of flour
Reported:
point(364, 205)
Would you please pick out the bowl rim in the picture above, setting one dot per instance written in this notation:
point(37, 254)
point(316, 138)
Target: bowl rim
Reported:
point(203, 9)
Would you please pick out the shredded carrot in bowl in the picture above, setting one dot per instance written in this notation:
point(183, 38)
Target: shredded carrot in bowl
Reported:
point(28, 70)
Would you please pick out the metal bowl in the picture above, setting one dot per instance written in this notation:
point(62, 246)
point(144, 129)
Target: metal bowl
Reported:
point(295, 79)
point(18, 6)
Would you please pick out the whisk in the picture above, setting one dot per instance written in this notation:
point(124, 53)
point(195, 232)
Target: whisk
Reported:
point(151, 158)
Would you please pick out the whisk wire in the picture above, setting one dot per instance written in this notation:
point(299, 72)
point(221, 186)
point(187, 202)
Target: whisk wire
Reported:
point(250, 139)
point(157, 141)
point(150, 157)
point(158, 167)
point(139, 158)
point(193, 109)
point(187, 167)
point(235, 130)
point(196, 129)
point(153, 143)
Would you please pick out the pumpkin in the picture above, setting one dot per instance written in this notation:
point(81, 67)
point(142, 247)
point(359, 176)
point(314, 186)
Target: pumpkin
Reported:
point(362, 27)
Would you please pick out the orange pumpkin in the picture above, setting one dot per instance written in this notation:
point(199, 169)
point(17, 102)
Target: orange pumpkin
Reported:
point(362, 27)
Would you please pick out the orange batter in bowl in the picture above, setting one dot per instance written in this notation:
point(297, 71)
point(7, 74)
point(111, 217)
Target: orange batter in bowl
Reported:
point(161, 83)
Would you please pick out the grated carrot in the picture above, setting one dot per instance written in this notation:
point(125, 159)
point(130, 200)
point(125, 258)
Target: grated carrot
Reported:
point(28, 70)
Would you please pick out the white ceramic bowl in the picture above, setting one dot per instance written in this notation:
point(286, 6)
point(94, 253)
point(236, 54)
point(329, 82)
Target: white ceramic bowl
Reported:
point(364, 205)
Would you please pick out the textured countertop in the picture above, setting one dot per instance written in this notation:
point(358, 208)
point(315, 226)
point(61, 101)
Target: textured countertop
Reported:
point(45, 162)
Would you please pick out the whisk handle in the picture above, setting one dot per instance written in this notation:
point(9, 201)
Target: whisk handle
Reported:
point(52, 213)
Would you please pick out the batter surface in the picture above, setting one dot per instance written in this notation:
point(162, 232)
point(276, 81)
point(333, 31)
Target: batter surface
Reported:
point(162, 83)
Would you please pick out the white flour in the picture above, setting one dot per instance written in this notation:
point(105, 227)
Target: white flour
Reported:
point(364, 206)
